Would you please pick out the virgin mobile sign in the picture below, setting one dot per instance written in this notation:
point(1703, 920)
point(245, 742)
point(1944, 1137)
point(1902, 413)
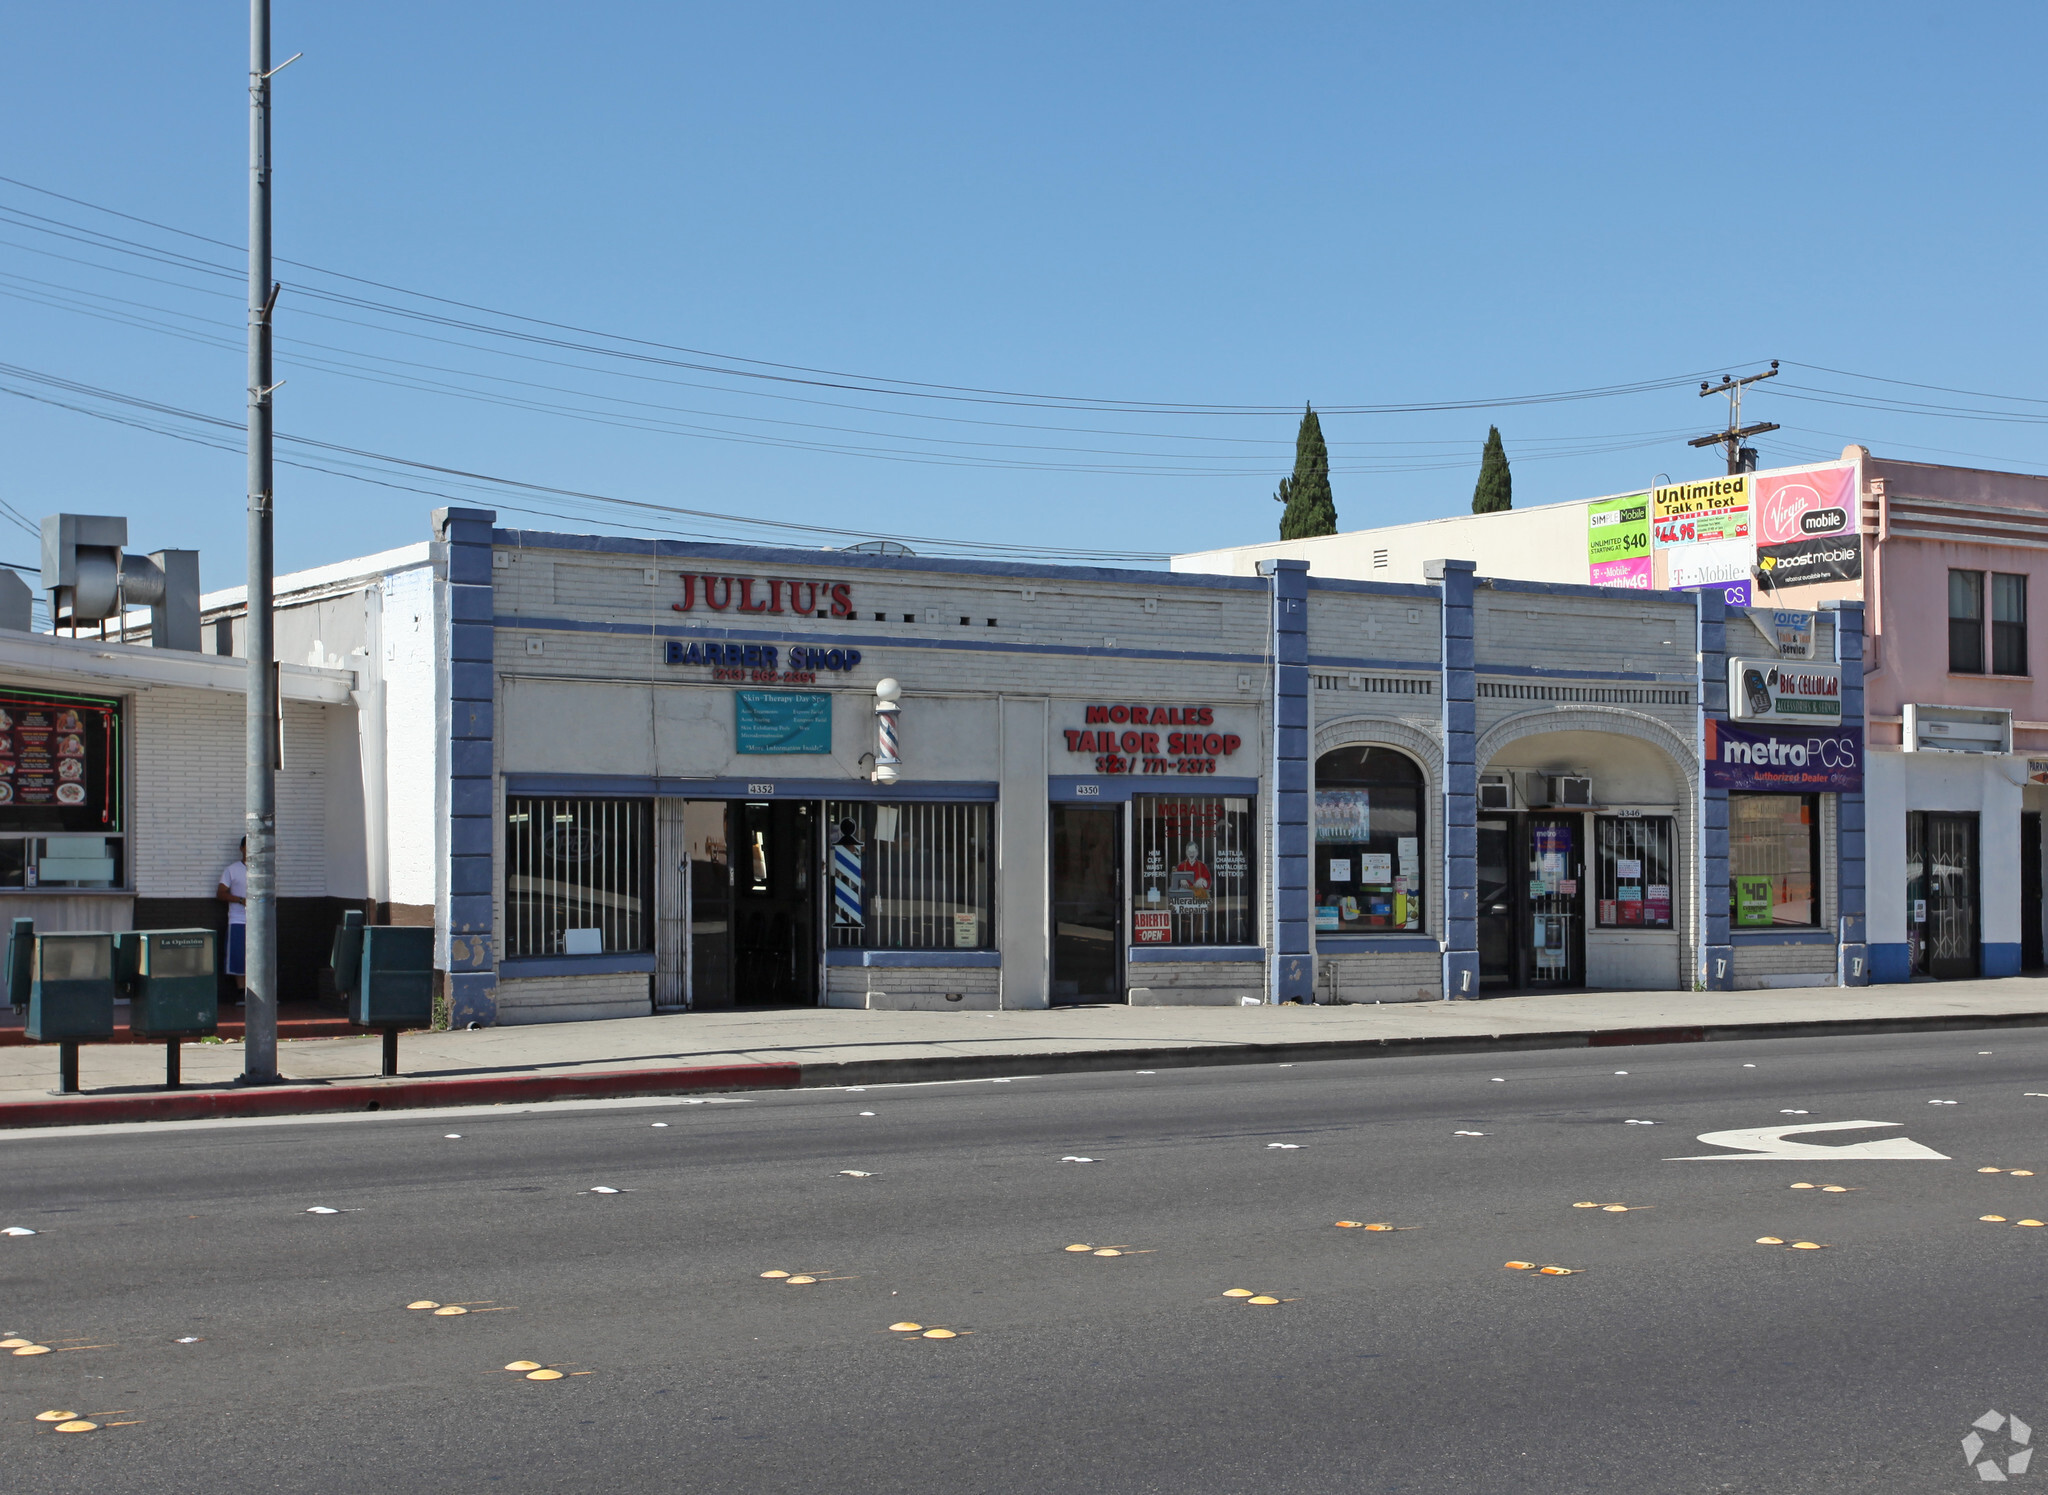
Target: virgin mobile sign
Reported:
point(1822, 761)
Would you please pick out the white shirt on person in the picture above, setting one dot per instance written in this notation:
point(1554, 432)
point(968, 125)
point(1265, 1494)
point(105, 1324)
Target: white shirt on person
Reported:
point(235, 878)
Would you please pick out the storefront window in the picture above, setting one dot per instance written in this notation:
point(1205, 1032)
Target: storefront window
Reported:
point(578, 873)
point(1774, 860)
point(1194, 885)
point(1632, 871)
point(911, 877)
point(1368, 841)
point(60, 791)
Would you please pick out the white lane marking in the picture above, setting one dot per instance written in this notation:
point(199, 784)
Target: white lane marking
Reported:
point(1767, 1143)
point(424, 1113)
point(922, 1084)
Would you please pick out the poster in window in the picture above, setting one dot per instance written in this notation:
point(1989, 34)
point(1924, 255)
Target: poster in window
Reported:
point(59, 762)
point(1657, 907)
point(1755, 903)
point(1553, 847)
point(1343, 815)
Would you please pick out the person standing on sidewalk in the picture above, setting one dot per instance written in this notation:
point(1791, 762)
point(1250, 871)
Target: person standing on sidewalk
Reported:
point(233, 890)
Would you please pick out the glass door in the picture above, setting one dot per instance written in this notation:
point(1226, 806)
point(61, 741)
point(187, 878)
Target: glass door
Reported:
point(1556, 926)
point(774, 862)
point(1497, 965)
point(2030, 890)
point(1941, 872)
point(707, 891)
point(1087, 904)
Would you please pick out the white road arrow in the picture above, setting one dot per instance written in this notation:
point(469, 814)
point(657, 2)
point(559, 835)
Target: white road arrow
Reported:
point(1765, 1143)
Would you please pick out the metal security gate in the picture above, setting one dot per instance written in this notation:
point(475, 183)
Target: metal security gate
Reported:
point(1941, 893)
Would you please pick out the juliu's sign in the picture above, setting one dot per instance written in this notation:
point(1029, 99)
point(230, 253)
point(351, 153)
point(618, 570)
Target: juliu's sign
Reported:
point(1823, 760)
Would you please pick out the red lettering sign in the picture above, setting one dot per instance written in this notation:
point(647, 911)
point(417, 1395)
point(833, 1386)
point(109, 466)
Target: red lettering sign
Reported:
point(757, 594)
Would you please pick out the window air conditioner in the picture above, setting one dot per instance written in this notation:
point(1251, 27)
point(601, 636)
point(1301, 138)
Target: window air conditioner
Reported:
point(1571, 793)
point(1494, 793)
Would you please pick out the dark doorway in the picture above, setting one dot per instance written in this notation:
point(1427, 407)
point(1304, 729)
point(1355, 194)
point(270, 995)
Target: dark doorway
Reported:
point(772, 874)
point(2030, 891)
point(708, 893)
point(1941, 893)
point(1087, 905)
point(1497, 922)
point(1532, 902)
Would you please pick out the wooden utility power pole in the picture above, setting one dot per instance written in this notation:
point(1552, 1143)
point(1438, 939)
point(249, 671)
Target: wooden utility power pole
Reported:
point(1740, 458)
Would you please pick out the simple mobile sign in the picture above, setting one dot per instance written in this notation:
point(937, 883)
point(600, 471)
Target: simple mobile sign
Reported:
point(1618, 542)
point(1822, 761)
point(1771, 690)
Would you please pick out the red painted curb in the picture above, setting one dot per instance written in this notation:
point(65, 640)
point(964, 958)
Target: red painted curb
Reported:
point(393, 1095)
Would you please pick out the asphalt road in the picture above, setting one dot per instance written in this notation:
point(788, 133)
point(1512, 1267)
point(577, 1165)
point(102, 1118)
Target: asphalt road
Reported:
point(1679, 1356)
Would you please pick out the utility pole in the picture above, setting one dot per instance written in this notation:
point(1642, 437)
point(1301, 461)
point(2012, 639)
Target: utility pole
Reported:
point(259, 1044)
point(1740, 458)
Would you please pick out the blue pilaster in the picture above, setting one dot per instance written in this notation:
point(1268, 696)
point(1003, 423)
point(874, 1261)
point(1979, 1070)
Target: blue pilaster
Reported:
point(1717, 951)
point(1851, 905)
point(1460, 725)
point(465, 715)
point(1293, 973)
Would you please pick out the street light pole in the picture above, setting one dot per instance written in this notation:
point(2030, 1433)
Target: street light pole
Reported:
point(259, 1044)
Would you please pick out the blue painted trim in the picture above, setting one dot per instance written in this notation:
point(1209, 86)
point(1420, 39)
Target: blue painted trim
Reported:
point(1999, 959)
point(980, 960)
point(1377, 944)
point(641, 787)
point(1530, 671)
point(1711, 620)
point(1375, 588)
point(1292, 971)
point(1751, 938)
point(1575, 589)
point(1348, 662)
point(1164, 955)
point(1118, 788)
point(1459, 719)
point(1851, 867)
point(627, 964)
point(465, 720)
point(814, 560)
point(1890, 964)
point(804, 630)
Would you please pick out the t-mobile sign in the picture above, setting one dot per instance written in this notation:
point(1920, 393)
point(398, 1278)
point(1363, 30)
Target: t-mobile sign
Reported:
point(1826, 760)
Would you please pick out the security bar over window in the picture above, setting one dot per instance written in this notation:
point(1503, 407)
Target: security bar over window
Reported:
point(911, 877)
point(578, 873)
point(1632, 871)
point(1193, 857)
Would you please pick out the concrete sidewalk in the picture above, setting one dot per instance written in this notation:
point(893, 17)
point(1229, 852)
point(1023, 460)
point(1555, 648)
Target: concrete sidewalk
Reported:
point(827, 1046)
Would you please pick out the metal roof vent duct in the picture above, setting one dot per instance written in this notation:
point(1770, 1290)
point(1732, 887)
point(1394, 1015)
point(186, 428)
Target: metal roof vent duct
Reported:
point(89, 579)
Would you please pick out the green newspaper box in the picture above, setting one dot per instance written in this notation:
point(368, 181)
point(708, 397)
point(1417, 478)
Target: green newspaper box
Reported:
point(394, 983)
point(71, 988)
point(168, 977)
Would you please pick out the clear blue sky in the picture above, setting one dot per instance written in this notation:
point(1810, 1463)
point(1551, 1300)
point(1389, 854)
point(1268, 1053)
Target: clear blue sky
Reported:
point(1185, 204)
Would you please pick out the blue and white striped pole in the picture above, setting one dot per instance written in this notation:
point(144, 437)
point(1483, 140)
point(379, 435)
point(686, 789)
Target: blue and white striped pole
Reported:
point(888, 747)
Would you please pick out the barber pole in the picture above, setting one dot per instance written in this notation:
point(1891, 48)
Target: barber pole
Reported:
point(888, 748)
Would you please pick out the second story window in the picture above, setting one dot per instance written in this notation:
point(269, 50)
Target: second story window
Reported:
point(2008, 624)
point(1966, 622)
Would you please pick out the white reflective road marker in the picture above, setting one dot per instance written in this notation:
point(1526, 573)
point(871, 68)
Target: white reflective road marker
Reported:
point(1765, 1143)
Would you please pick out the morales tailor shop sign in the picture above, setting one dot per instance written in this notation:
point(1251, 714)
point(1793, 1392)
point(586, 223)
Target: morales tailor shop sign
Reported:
point(1128, 738)
point(1827, 760)
point(1771, 690)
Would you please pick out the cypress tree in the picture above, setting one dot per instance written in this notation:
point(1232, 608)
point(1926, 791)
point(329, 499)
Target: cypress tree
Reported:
point(1311, 510)
point(1495, 489)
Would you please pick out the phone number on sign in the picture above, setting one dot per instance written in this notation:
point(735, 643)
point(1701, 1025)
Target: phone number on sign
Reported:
point(1117, 763)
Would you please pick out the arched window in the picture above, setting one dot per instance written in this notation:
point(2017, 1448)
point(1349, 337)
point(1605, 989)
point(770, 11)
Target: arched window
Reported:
point(1368, 841)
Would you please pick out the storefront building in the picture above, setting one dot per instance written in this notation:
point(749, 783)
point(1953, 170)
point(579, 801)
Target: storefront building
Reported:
point(683, 777)
point(1934, 793)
